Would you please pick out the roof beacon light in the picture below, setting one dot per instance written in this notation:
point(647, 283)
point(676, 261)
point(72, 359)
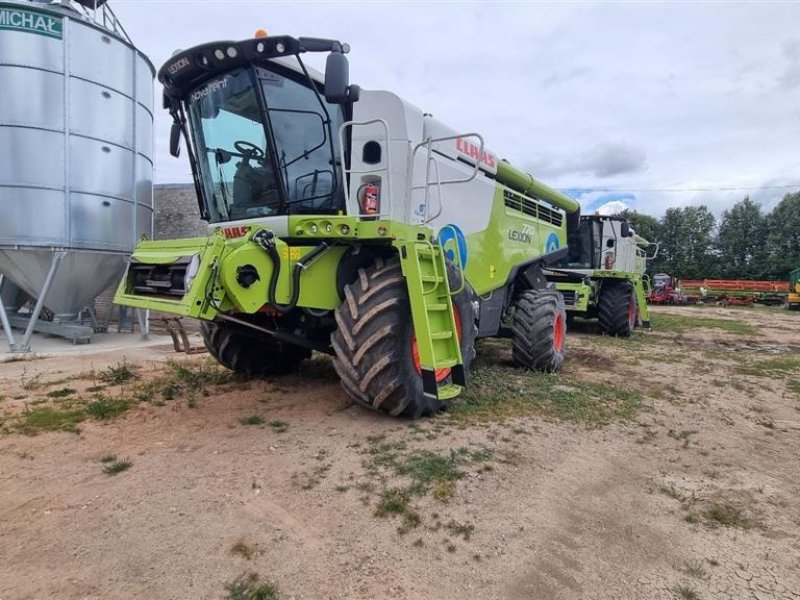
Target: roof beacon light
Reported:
point(260, 33)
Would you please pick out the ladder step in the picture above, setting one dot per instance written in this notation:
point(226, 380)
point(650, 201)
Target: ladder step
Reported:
point(427, 252)
point(439, 306)
point(441, 335)
point(449, 391)
point(432, 278)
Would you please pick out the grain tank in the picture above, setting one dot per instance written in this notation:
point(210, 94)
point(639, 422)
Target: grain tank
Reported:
point(76, 126)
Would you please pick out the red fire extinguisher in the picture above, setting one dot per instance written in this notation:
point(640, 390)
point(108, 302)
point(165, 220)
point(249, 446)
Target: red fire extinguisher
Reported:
point(371, 201)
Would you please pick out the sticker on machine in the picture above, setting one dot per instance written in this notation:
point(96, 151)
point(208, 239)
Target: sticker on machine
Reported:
point(453, 241)
point(551, 244)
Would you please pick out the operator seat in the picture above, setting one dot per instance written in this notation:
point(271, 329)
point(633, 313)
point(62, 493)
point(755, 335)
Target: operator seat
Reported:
point(255, 193)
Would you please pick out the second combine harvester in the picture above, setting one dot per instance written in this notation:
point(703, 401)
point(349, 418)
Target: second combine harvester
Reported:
point(350, 222)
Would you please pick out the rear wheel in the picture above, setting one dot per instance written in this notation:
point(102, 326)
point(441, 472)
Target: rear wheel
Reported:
point(617, 308)
point(539, 330)
point(251, 356)
point(374, 342)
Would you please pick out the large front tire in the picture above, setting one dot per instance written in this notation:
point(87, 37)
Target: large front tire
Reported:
point(617, 308)
point(251, 356)
point(373, 343)
point(539, 329)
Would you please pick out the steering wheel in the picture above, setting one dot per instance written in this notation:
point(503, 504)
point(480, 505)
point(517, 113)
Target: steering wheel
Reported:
point(248, 150)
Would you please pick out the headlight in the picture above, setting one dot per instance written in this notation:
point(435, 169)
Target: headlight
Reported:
point(191, 271)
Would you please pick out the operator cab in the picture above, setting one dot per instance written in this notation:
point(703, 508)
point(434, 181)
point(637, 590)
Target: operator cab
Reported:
point(260, 129)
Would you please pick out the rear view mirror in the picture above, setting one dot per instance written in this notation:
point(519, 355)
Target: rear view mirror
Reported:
point(337, 78)
point(625, 229)
point(175, 139)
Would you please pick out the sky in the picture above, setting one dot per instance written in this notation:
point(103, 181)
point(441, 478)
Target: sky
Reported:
point(643, 105)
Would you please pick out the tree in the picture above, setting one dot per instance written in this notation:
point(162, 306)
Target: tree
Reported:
point(741, 241)
point(783, 237)
point(686, 242)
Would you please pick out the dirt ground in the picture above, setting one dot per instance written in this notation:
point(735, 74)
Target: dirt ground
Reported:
point(682, 483)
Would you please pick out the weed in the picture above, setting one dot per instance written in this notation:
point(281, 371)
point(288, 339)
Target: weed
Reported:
point(107, 458)
point(243, 550)
point(727, 515)
point(411, 520)
point(695, 569)
point(118, 374)
point(107, 408)
point(30, 383)
point(464, 530)
point(686, 592)
point(450, 547)
point(393, 501)
point(341, 488)
point(117, 466)
point(252, 420)
point(203, 374)
point(279, 426)
point(250, 587)
point(62, 393)
point(672, 492)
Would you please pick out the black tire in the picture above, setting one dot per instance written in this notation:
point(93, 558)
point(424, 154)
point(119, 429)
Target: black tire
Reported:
point(617, 308)
point(251, 356)
point(373, 341)
point(538, 331)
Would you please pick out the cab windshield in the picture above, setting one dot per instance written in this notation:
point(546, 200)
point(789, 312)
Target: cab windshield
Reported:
point(266, 154)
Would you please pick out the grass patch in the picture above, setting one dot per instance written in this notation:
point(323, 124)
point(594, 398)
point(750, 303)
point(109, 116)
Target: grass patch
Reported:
point(778, 366)
point(279, 426)
point(498, 392)
point(695, 569)
point(252, 420)
point(118, 374)
point(107, 408)
point(728, 516)
point(62, 393)
point(108, 458)
point(393, 501)
point(250, 587)
point(31, 422)
point(117, 466)
point(682, 323)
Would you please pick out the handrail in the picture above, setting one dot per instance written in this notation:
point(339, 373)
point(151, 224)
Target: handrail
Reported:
point(388, 168)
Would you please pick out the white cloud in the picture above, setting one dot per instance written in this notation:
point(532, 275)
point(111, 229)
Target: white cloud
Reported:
point(637, 96)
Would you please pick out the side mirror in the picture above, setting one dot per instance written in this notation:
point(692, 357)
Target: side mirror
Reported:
point(625, 229)
point(175, 139)
point(337, 78)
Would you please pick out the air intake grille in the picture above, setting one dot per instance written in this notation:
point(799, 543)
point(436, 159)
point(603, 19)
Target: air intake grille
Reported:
point(532, 208)
point(569, 298)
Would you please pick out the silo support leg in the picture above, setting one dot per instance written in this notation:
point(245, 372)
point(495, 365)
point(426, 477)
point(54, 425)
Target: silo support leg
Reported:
point(143, 314)
point(4, 317)
point(25, 346)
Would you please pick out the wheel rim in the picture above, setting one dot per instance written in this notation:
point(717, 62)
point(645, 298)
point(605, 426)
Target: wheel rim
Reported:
point(441, 374)
point(559, 332)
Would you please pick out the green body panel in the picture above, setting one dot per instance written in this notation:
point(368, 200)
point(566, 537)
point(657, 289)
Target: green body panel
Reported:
point(511, 237)
point(317, 281)
point(583, 294)
point(203, 294)
point(524, 183)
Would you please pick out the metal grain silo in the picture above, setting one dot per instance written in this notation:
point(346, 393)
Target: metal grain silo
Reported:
point(76, 141)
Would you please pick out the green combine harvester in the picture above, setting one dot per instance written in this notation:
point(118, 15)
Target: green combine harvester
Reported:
point(348, 222)
point(602, 276)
